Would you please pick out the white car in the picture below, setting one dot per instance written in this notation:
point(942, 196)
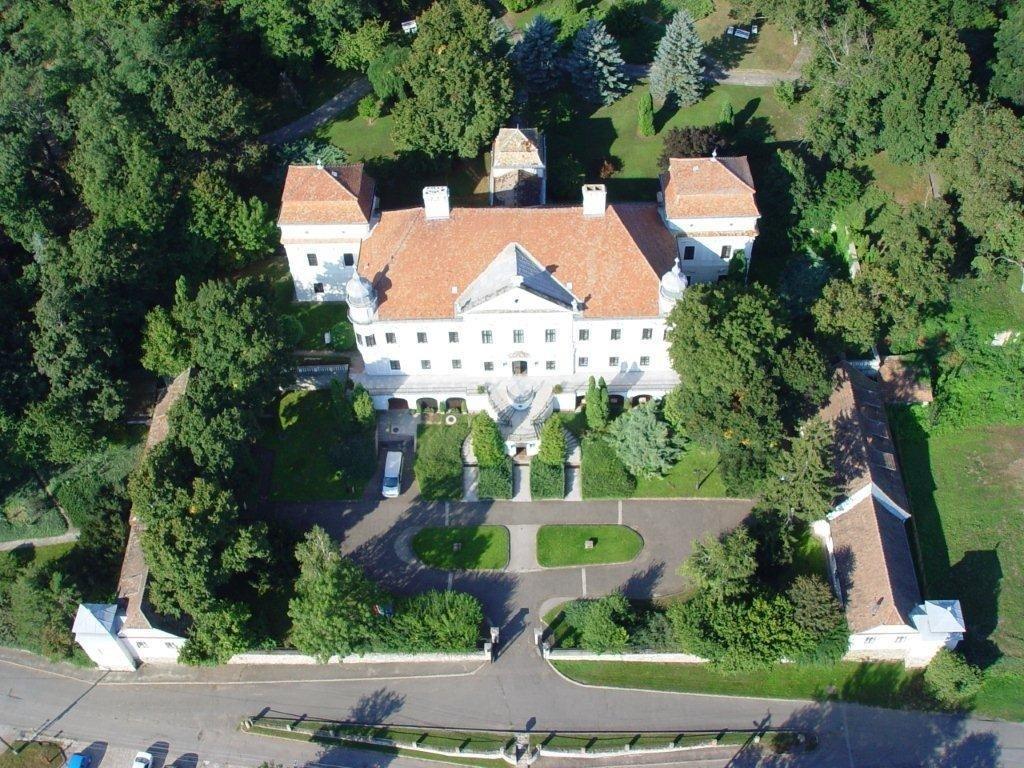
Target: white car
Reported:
point(142, 760)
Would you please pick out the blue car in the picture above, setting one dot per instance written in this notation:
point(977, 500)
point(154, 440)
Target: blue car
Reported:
point(78, 760)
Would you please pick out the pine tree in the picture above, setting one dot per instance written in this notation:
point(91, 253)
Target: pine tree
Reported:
point(598, 73)
point(597, 404)
point(677, 69)
point(727, 117)
point(645, 115)
point(535, 57)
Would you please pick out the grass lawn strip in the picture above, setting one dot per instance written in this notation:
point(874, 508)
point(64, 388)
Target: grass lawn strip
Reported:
point(876, 684)
point(34, 754)
point(564, 545)
point(482, 547)
point(438, 465)
point(696, 465)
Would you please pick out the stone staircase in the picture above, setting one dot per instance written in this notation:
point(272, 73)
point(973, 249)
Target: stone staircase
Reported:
point(521, 424)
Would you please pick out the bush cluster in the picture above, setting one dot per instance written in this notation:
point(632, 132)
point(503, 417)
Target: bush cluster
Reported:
point(604, 474)
point(547, 481)
point(496, 482)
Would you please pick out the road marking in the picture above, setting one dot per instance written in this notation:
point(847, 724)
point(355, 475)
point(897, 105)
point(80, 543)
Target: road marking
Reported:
point(447, 515)
point(620, 511)
point(846, 738)
point(451, 580)
point(583, 572)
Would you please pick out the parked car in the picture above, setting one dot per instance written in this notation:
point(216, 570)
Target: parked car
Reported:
point(142, 760)
point(392, 485)
point(79, 760)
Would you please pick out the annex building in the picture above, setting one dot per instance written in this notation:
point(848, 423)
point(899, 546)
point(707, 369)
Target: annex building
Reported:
point(511, 308)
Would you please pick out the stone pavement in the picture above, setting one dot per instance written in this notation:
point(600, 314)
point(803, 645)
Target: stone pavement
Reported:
point(521, 483)
point(522, 548)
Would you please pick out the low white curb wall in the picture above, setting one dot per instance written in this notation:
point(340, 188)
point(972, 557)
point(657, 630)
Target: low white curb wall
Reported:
point(582, 752)
point(572, 654)
point(296, 658)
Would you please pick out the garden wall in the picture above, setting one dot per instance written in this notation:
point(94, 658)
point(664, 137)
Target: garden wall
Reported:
point(295, 658)
point(573, 654)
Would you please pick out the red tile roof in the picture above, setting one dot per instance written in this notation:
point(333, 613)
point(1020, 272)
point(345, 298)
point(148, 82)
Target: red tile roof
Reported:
point(614, 262)
point(313, 194)
point(706, 187)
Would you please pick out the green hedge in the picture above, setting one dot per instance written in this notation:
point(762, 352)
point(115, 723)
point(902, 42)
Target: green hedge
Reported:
point(604, 475)
point(547, 481)
point(496, 482)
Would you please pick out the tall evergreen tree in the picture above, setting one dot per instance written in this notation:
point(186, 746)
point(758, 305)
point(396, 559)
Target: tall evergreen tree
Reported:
point(536, 57)
point(645, 115)
point(677, 70)
point(598, 73)
point(461, 90)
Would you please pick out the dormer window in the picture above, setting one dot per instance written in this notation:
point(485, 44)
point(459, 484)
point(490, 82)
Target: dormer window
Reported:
point(688, 251)
point(726, 251)
point(311, 258)
point(349, 259)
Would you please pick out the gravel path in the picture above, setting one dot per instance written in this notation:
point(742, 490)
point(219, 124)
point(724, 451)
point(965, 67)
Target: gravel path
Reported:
point(326, 112)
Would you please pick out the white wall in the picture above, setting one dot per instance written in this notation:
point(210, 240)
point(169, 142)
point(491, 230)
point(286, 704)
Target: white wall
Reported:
point(107, 651)
point(712, 224)
point(153, 646)
point(329, 243)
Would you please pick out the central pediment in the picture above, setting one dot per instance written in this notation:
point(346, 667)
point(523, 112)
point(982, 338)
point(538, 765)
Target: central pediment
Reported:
point(515, 280)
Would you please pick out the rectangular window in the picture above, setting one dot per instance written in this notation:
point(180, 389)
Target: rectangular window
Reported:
point(395, 365)
point(486, 337)
point(688, 251)
point(350, 259)
point(518, 337)
point(664, 335)
point(318, 287)
point(550, 365)
point(726, 251)
point(421, 337)
point(584, 334)
point(616, 334)
point(582, 362)
point(453, 337)
point(389, 338)
point(456, 365)
point(371, 340)
point(613, 362)
point(648, 334)
point(549, 335)
point(425, 365)
point(359, 339)
point(645, 360)
point(488, 366)
point(311, 258)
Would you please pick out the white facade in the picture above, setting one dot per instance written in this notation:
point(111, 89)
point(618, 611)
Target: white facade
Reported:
point(706, 246)
point(322, 258)
point(99, 629)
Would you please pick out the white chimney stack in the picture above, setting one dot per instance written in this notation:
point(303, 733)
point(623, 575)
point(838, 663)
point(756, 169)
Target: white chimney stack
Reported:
point(435, 203)
point(595, 197)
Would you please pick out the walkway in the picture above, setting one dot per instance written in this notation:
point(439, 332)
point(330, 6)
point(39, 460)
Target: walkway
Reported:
point(69, 536)
point(326, 112)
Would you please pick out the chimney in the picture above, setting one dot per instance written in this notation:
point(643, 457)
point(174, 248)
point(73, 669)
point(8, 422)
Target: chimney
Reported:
point(594, 199)
point(435, 203)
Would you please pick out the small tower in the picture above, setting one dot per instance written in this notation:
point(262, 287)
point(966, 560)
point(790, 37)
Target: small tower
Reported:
point(362, 300)
point(673, 285)
point(518, 168)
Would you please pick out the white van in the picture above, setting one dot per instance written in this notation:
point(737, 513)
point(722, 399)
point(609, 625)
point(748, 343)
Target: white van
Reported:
point(392, 474)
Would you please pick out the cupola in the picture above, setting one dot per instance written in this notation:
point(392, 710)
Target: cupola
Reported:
point(673, 285)
point(361, 299)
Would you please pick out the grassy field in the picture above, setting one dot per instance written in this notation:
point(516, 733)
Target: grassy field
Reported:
point(438, 464)
point(316, 458)
point(481, 547)
point(561, 545)
point(611, 132)
point(696, 474)
point(772, 47)
point(967, 497)
point(886, 685)
point(36, 754)
point(906, 183)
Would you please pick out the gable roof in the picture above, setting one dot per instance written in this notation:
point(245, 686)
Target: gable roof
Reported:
point(333, 194)
point(708, 187)
point(513, 268)
point(517, 147)
point(614, 262)
point(874, 566)
point(864, 451)
point(95, 619)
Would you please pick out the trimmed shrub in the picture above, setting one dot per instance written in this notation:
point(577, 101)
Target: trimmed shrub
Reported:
point(547, 481)
point(496, 481)
point(604, 475)
point(487, 443)
point(436, 621)
point(645, 115)
point(370, 108)
point(951, 681)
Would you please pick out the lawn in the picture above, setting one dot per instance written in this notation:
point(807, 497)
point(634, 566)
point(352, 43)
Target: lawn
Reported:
point(438, 464)
point(967, 498)
point(906, 183)
point(316, 457)
point(876, 684)
point(36, 754)
point(316, 317)
point(611, 132)
point(772, 48)
point(696, 474)
point(481, 547)
point(561, 545)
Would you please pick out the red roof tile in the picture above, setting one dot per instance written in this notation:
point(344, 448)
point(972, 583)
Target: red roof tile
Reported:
point(314, 194)
point(705, 187)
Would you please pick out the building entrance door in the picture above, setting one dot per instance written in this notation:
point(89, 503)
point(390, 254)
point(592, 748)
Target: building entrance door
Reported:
point(518, 367)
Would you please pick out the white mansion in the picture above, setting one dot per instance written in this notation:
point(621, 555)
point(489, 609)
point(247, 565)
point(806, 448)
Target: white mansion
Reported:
point(511, 308)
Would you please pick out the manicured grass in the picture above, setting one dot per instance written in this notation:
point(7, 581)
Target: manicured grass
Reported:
point(878, 684)
point(317, 458)
point(36, 754)
point(772, 48)
point(611, 132)
point(438, 464)
point(906, 183)
point(696, 474)
point(560, 545)
point(481, 547)
point(967, 500)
